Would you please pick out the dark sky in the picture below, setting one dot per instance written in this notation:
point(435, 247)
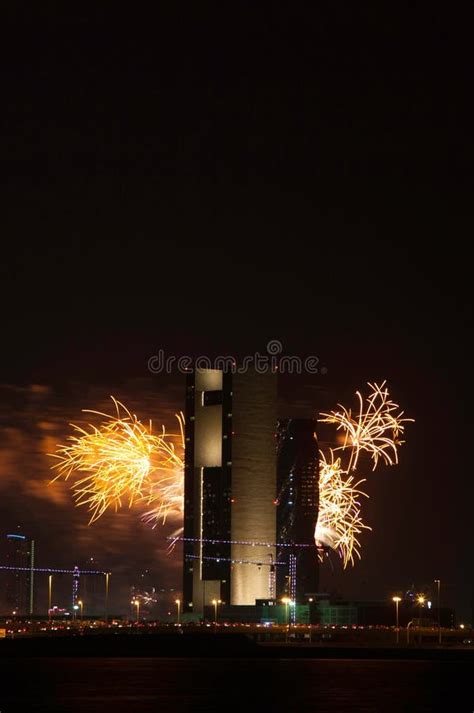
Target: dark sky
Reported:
point(205, 181)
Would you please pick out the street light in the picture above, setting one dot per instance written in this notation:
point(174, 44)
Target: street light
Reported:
point(107, 575)
point(438, 582)
point(178, 604)
point(397, 600)
point(421, 600)
point(50, 589)
point(136, 603)
point(286, 601)
point(81, 604)
point(215, 602)
point(75, 608)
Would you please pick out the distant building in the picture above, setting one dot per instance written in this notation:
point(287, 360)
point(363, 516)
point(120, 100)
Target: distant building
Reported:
point(19, 555)
point(377, 613)
point(230, 488)
point(297, 509)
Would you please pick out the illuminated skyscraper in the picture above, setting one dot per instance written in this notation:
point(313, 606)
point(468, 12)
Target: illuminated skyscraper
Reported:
point(297, 511)
point(230, 487)
point(19, 581)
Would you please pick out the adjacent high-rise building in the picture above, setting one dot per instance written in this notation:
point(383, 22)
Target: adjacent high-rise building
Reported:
point(230, 488)
point(297, 511)
point(19, 580)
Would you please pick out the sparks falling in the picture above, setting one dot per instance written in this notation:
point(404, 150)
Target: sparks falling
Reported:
point(167, 491)
point(375, 429)
point(124, 462)
point(339, 520)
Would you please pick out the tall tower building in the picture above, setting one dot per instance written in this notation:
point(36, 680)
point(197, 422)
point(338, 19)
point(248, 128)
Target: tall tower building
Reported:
point(19, 581)
point(230, 487)
point(297, 510)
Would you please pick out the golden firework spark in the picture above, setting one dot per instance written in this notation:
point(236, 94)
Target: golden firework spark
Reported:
point(375, 430)
point(339, 520)
point(124, 462)
point(167, 492)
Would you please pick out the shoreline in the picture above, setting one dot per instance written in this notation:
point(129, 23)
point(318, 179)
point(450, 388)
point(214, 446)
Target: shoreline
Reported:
point(216, 646)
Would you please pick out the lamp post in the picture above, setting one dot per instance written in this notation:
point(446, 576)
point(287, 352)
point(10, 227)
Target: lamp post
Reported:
point(438, 582)
point(178, 604)
point(397, 600)
point(107, 575)
point(75, 608)
point(286, 601)
point(81, 604)
point(215, 602)
point(136, 602)
point(50, 589)
point(421, 600)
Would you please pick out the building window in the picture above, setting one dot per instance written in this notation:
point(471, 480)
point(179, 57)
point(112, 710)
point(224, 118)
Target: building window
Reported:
point(212, 398)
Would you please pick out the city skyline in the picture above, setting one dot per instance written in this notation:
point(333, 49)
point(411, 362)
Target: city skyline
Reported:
point(269, 185)
point(120, 592)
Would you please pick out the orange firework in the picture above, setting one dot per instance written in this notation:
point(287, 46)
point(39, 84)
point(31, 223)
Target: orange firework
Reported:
point(124, 461)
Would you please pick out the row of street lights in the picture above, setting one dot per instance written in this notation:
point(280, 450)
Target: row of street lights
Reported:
point(215, 603)
point(285, 600)
point(80, 604)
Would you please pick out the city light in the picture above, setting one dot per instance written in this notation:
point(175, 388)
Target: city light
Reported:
point(397, 601)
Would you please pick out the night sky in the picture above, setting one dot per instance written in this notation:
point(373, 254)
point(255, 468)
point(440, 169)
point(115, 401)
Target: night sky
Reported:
point(205, 182)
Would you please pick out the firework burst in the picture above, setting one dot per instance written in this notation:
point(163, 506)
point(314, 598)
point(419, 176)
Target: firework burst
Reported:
point(167, 491)
point(123, 462)
point(375, 429)
point(339, 520)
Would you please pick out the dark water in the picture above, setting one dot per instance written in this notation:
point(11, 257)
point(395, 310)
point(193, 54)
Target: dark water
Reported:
point(182, 685)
